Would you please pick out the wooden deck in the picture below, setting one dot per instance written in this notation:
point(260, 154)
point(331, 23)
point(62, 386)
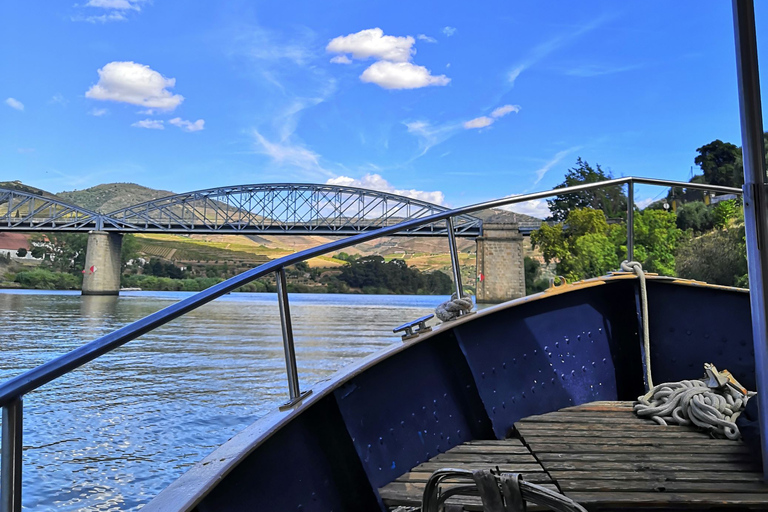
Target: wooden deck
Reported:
point(603, 456)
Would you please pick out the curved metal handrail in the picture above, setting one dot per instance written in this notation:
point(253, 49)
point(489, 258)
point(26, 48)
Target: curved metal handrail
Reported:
point(12, 391)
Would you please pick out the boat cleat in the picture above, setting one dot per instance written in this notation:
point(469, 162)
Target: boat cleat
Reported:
point(419, 323)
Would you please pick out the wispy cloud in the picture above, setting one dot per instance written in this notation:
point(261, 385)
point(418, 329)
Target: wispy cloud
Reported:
point(151, 124)
point(544, 169)
point(426, 38)
point(431, 135)
point(113, 10)
point(290, 154)
point(14, 104)
point(542, 50)
point(590, 70)
point(98, 112)
point(449, 31)
point(188, 126)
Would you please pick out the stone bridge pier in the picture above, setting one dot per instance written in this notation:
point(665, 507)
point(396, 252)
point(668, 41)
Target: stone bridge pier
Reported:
point(101, 275)
point(500, 267)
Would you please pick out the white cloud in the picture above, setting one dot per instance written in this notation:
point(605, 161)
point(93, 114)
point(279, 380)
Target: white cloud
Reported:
point(642, 204)
point(506, 109)
point(478, 122)
point(114, 10)
point(393, 69)
point(98, 112)
point(188, 126)
point(103, 18)
point(152, 124)
point(401, 75)
point(14, 103)
point(377, 182)
point(482, 122)
point(120, 5)
point(449, 31)
point(373, 43)
point(25, 151)
point(426, 38)
point(537, 208)
point(137, 84)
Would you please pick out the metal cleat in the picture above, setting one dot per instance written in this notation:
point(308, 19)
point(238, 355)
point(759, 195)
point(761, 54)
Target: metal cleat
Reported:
point(420, 323)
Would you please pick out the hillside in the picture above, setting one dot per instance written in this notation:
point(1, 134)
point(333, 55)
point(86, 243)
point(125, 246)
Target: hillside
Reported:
point(425, 253)
point(112, 196)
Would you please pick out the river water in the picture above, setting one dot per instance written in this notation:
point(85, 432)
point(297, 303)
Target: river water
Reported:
point(114, 433)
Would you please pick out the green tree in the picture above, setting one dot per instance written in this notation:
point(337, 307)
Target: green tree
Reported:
point(62, 252)
point(583, 246)
point(695, 216)
point(721, 164)
point(611, 200)
point(725, 212)
point(129, 249)
point(21, 252)
point(656, 240)
point(534, 283)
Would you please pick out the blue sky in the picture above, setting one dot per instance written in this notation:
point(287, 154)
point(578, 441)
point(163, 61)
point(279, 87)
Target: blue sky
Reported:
point(454, 102)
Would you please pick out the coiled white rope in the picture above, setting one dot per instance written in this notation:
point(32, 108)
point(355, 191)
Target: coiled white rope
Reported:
point(695, 402)
point(452, 309)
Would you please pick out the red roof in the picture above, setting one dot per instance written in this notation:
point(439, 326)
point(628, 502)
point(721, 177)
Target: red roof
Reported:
point(14, 241)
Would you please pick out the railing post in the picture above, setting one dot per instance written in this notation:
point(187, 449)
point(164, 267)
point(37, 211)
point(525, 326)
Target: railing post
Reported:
point(285, 324)
point(755, 201)
point(10, 467)
point(630, 221)
point(455, 266)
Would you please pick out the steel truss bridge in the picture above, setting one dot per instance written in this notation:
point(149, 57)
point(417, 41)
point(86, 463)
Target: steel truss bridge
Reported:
point(274, 209)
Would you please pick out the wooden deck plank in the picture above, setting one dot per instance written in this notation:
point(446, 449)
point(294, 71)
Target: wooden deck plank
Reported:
point(508, 455)
point(603, 456)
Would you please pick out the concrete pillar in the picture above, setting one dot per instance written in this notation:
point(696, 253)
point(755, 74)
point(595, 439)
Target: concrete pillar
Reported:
point(101, 275)
point(500, 268)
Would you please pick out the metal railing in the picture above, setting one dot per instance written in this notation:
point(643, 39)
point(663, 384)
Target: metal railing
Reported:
point(13, 390)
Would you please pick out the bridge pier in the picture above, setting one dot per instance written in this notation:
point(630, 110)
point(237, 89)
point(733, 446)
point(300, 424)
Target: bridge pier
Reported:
point(500, 267)
point(101, 275)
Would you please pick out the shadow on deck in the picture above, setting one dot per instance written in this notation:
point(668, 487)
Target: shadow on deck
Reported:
point(603, 456)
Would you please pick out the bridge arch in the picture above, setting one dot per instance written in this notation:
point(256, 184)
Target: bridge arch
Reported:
point(282, 209)
point(27, 211)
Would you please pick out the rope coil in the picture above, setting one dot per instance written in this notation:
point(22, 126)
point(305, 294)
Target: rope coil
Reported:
point(454, 308)
point(695, 402)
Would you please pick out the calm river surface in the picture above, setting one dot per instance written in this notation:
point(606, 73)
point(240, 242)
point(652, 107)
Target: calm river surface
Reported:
point(114, 433)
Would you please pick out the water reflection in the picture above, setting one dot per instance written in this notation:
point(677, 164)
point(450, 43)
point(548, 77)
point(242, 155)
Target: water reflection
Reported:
point(114, 433)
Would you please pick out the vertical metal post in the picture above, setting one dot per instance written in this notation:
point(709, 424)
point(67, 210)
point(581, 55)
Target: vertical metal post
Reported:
point(455, 265)
point(285, 324)
point(10, 466)
point(631, 221)
point(755, 200)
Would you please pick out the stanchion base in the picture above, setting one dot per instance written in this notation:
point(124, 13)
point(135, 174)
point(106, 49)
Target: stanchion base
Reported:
point(295, 401)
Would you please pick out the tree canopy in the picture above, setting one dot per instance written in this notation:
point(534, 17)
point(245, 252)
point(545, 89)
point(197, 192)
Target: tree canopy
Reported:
point(611, 200)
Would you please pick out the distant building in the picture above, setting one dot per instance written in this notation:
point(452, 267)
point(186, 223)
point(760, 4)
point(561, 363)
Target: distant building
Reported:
point(10, 243)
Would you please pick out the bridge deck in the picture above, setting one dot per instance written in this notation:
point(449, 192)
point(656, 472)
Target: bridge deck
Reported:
point(604, 457)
